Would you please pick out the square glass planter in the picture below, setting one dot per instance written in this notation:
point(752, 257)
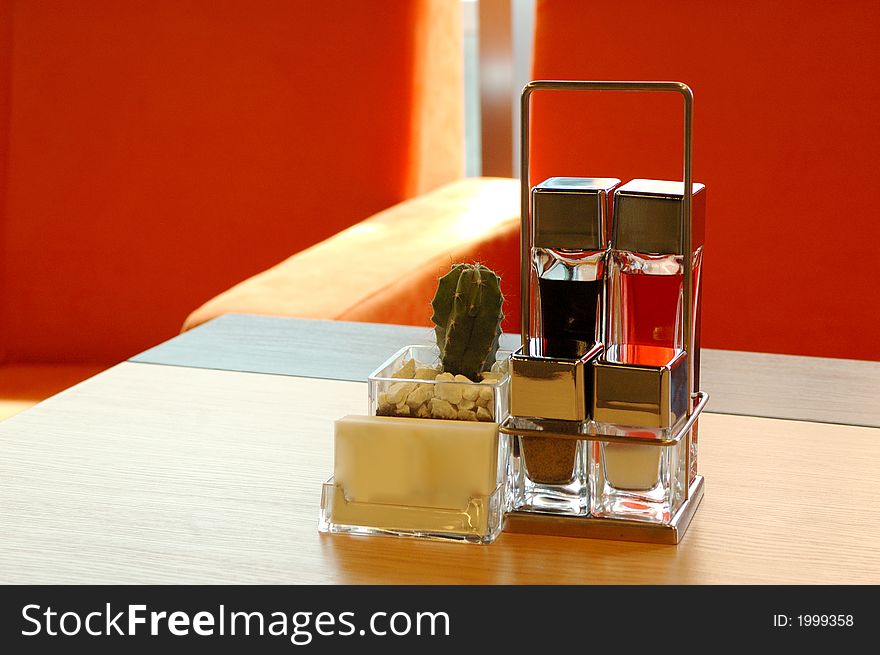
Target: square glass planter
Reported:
point(415, 391)
point(438, 473)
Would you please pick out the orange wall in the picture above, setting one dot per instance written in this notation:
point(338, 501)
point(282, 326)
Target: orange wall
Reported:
point(161, 151)
point(787, 141)
point(5, 89)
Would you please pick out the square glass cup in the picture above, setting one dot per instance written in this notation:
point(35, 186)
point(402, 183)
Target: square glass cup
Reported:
point(638, 481)
point(425, 397)
point(550, 476)
point(551, 395)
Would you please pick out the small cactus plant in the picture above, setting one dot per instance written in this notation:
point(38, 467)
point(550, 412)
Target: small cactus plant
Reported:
point(467, 316)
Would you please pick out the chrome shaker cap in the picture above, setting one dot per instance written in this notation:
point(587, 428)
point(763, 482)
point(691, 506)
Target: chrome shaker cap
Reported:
point(571, 213)
point(647, 217)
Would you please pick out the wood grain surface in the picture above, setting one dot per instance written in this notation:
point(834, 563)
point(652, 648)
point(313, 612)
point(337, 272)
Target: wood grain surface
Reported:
point(787, 386)
point(747, 384)
point(162, 474)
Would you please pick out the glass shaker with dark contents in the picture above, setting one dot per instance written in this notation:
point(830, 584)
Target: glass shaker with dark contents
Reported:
point(568, 260)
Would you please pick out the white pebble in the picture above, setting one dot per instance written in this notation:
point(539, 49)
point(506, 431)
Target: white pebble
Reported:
point(419, 396)
point(402, 409)
point(466, 415)
point(483, 414)
point(445, 377)
point(466, 404)
point(406, 371)
point(425, 373)
point(442, 409)
point(470, 392)
point(398, 392)
point(451, 393)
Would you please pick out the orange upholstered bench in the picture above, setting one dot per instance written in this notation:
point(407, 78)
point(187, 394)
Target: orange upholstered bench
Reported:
point(385, 269)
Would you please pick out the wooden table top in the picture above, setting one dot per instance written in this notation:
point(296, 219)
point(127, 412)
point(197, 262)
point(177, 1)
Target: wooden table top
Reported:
point(153, 473)
point(747, 384)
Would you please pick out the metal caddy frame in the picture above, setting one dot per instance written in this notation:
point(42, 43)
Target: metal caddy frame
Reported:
point(589, 526)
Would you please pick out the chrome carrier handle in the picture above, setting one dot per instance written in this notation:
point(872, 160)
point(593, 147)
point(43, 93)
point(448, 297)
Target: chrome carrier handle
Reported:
point(686, 207)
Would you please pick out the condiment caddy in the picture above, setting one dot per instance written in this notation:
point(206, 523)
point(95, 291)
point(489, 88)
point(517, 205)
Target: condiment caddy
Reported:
point(591, 429)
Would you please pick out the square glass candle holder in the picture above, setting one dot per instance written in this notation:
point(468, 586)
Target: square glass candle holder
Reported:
point(401, 472)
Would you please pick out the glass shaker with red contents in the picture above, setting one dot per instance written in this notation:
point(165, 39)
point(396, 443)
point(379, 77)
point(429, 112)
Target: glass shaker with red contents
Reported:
point(642, 382)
